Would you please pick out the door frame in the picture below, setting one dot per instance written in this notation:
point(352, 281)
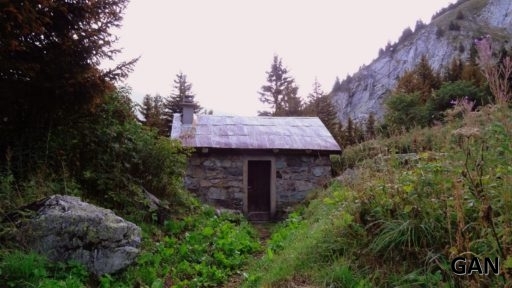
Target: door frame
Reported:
point(272, 160)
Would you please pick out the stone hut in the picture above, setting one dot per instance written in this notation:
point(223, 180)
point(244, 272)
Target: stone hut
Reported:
point(257, 165)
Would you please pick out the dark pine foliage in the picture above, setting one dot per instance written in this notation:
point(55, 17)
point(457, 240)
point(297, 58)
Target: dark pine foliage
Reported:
point(50, 52)
point(280, 92)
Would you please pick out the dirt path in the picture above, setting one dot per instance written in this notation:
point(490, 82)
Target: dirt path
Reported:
point(264, 234)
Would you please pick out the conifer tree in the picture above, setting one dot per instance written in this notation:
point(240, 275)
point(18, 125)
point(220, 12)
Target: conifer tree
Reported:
point(320, 105)
point(146, 109)
point(172, 103)
point(312, 106)
point(370, 126)
point(280, 92)
point(350, 133)
point(454, 71)
point(328, 114)
point(50, 55)
point(421, 79)
point(152, 112)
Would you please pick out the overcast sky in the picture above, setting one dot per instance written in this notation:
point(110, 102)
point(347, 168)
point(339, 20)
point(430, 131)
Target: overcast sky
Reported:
point(226, 46)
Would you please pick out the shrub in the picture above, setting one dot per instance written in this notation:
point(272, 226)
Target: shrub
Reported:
point(450, 91)
point(406, 111)
point(115, 159)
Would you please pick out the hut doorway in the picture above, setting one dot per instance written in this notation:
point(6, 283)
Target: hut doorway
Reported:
point(260, 203)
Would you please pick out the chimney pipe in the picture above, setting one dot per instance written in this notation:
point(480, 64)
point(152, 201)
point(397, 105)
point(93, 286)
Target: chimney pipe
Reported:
point(188, 109)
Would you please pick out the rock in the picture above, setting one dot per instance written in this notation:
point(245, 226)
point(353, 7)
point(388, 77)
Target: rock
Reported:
point(217, 193)
point(65, 228)
point(320, 170)
point(155, 205)
point(366, 90)
point(220, 211)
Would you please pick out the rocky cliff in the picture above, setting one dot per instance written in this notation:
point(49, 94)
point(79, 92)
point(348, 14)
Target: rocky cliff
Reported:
point(449, 35)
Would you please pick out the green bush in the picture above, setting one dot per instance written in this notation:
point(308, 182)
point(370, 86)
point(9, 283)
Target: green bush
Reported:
point(104, 156)
point(115, 159)
point(450, 91)
point(406, 111)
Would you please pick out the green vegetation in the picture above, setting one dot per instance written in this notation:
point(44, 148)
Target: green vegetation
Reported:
point(428, 185)
point(67, 129)
point(280, 92)
point(201, 249)
point(403, 218)
point(194, 248)
point(19, 269)
point(416, 199)
point(157, 111)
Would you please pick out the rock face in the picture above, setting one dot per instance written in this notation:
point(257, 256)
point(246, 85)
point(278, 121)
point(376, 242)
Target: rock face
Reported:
point(365, 91)
point(66, 228)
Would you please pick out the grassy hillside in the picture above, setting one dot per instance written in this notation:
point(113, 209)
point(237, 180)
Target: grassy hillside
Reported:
point(399, 220)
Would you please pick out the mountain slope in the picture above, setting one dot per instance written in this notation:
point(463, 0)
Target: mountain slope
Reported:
point(449, 35)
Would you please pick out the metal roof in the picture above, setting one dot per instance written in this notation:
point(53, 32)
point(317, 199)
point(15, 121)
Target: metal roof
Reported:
point(262, 132)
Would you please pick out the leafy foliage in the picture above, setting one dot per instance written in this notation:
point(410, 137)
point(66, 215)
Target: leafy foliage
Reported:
point(406, 110)
point(422, 80)
point(77, 161)
point(136, 159)
point(200, 250)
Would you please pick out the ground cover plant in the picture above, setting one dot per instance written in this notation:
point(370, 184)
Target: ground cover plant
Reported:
point(200, 249)
point(404, 217)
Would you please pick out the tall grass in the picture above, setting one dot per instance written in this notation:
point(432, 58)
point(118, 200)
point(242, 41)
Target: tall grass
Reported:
point(401, 220)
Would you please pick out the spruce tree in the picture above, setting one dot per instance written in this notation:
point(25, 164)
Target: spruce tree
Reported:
point(50, 56)
point(280, 92)
point(422, 80)
point(453, 72)
point(350, 132)
point(370, 126)
point(146, 109)
point(152, 112)
point(312, 106)
point(320, 105)
point(50, 73)
point(172, 104)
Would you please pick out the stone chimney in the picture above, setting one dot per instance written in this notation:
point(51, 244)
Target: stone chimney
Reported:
point(188, 109)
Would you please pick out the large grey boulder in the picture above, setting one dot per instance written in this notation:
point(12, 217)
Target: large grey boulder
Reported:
point(65, 228)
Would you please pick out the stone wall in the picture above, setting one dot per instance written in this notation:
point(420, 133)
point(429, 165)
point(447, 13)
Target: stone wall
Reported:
point(298, 175)
point(218, 178)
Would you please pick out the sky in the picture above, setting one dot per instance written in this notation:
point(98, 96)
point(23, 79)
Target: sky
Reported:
point(225, 47)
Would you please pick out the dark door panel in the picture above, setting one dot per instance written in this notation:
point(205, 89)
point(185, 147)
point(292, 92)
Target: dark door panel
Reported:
point(258, 185)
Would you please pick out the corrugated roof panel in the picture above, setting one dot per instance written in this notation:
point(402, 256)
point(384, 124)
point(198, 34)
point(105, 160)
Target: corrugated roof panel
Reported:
point(241, 141)
point(275, 142)
point(203, 130)
point(221, 142)
point(255, 133)
point(204, 141)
